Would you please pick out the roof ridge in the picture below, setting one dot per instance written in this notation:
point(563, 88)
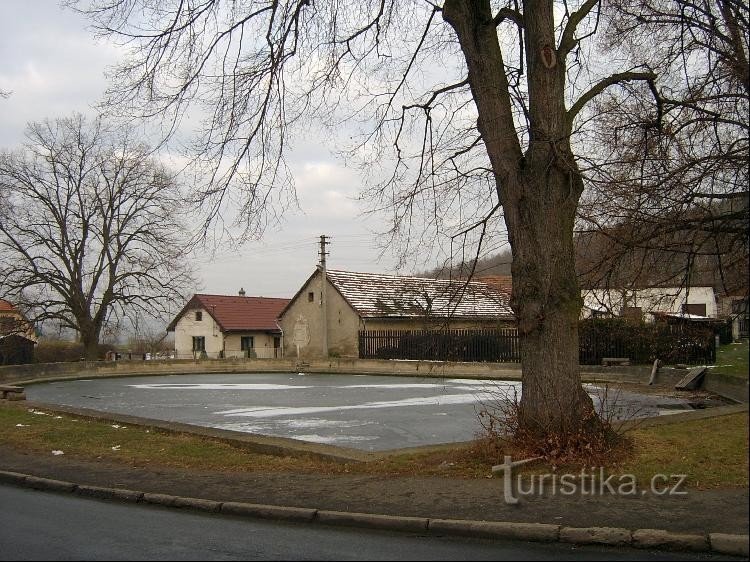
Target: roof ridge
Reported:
point(394, 276)
point(240, 296)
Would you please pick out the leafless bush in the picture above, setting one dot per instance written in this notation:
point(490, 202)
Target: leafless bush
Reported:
point(501, 432)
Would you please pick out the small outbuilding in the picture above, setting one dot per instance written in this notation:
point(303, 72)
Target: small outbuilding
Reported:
point(16, 349)
point(326, 315)
point(17, 337)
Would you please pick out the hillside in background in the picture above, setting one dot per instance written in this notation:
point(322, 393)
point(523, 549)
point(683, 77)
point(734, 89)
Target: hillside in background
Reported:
point(496, 264)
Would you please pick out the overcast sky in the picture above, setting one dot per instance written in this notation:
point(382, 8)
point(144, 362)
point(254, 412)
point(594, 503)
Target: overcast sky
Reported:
point(54, 66)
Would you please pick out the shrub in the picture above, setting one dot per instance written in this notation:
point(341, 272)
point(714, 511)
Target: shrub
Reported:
point(643, 343)
point(598, 441)
point(61, 351)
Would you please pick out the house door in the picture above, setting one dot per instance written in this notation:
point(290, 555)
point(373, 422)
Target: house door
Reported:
point(276, 347)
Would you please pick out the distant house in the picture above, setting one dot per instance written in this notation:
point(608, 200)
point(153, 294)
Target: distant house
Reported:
point(17, 337)
point(325, 316)
point(224, 326)
point(650, 303)
point(734, 306)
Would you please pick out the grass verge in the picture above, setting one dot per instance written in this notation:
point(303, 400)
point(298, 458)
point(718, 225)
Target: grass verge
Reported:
point(713, 452)
point(732, 360)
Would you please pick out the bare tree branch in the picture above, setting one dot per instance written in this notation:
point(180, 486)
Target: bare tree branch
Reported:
point(599, 87)
point(89, 230)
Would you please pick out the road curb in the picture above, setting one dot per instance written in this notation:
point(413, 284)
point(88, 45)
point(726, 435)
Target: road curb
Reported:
point(159, 499)
point(210, 506)
point(15, 478)
point(536, 532)
point(38, 483)
point(610, 536)
point(737, 545)
point(260, 511)
point(109, 493)
point(373, 521)
point(722, 543)
point(658, 538)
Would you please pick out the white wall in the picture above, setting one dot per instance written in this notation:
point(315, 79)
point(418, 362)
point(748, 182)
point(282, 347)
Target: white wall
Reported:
point(188, 326)
point(667, 299)
point(262, 345)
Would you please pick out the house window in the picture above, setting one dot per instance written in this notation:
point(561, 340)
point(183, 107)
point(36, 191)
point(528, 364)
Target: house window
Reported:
point(310, 297)
point(199, 343)
point(198, 315)
point(246, 342)
point(632, 313)
point(696, 309)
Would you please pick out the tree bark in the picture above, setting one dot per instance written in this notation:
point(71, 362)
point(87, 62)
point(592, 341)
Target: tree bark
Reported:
point(539, 190)
point(89, 336)
point(547, 302)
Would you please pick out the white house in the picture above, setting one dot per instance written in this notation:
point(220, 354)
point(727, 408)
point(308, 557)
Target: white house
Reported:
point(644, 302)
point(223, 326)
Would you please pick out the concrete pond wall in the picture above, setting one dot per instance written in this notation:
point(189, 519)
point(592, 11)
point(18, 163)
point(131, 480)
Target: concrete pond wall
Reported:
point(638, 374)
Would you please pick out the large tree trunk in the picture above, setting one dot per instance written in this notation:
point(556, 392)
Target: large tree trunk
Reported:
point(547, 303)
point(89, 335)
point(539, 190)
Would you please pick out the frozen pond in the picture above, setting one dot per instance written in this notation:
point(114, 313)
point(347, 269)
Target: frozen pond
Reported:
point(372, 413)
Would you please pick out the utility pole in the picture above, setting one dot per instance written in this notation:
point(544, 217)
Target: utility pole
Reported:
point(324, 241)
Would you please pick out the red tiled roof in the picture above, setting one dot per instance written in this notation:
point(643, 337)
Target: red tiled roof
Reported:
point(235, 313)
point(5, 306)
point(502, 283)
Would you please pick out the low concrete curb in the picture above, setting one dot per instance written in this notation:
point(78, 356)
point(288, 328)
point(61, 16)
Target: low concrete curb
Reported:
point(612, 536)
point(372, 521)
point(109, 493)
point(197, 504)
point(537, 532)
point(14, 478)
point(722, 543)
point(159, 499)
point(48, 484)
point(737, 545)
point(300, 514)
point(658, 538)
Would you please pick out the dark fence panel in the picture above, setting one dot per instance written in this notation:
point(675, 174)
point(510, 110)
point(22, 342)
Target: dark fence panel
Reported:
point(744, 327)
point(641, 343)
point(446, 345)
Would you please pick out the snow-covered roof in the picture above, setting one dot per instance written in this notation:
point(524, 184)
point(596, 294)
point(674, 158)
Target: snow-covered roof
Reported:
point(684, 316)
point(374, 295)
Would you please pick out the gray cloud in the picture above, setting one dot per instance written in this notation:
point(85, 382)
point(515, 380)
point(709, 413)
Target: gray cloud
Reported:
point(55, 66)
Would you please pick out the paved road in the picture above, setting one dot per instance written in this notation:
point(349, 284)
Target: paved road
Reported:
point(45, 526)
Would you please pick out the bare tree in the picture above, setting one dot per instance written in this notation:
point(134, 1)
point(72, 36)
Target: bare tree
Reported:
point(673, 206)
point(90, 228)
point(472, 105)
